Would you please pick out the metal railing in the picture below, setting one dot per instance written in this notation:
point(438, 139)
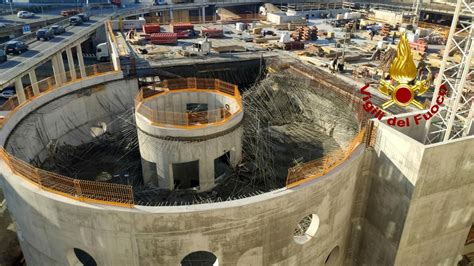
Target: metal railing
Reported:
point(82, 190)
point(313, 169)
point(187, 119)
point(49, 84)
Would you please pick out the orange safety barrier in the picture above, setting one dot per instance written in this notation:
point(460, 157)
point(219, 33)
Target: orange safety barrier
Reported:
point(87, 191)
point(319, 167)
point(83, 190)
point(49, 84)
point(191, 118)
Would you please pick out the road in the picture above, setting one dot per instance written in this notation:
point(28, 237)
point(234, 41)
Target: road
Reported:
point(38, 50)
point(11, 20)
point(47, 14)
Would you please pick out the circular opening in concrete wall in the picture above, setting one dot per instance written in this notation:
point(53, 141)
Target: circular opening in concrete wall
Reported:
point(332, 257)
point(78, 257)
point(200, 258)
point(306, 229)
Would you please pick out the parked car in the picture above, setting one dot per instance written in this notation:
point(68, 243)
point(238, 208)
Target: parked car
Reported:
point(83, 16)
point(3, 56)
point(45, 34)
point(7, 93)
point(75, 20)
point(58, 29)
point(3, 25)
point(15, 47)
point(25, 14)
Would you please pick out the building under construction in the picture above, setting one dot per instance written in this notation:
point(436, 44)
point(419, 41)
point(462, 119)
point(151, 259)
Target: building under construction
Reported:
point(270, 155)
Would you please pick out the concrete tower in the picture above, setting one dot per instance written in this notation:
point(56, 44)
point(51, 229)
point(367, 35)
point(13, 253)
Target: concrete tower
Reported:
point(189, 132)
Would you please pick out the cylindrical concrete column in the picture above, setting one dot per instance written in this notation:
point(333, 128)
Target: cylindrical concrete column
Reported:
point(34, 82)
point(203, 14)
point(70, 61)
point(171, 15)
point(20, 92)
point(62, 69)
point(80, 60)
point(194, 139)
point(56, 70)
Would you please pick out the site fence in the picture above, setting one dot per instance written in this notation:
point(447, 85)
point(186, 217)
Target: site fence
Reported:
point(190, 118)
point(82, 190)
point(313, 169)
point(50, 84)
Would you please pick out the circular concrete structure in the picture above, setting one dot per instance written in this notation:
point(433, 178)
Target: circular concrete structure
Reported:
point(188, 137)
point(60, 225)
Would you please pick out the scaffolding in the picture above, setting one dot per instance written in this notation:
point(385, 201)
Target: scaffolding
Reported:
point(454, 118)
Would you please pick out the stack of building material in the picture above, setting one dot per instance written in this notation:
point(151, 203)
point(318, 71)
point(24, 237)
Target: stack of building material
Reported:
point(212, 33)
point(293, 45)
point(151, 28)
point(421, 45)
point(385, 31)
point(182, 29)
point(177, 27)
point(164, 38)
point(305, 33)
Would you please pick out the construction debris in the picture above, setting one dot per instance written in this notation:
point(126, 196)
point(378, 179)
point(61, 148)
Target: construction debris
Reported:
point(285, 115)
point(420, 45)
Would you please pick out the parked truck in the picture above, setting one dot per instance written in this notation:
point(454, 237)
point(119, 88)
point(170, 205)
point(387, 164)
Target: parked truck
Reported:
point(102, 52)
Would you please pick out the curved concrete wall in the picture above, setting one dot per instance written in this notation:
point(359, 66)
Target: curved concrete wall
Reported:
point(194, 148)
point(67, 119)
point(158, 155)
point(252, 231)
point(176, 101)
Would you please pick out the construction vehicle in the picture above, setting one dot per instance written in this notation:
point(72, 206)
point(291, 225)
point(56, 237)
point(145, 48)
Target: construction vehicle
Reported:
point(102, 52)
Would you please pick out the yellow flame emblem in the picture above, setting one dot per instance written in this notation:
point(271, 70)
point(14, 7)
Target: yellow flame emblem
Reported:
point(403, 72)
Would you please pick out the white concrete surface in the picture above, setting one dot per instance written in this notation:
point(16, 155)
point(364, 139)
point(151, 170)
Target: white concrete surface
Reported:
point(163, 147)
point(257, 229)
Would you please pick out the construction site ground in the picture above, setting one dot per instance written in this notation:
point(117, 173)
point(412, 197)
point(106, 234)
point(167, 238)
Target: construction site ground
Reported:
point(358, 52)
